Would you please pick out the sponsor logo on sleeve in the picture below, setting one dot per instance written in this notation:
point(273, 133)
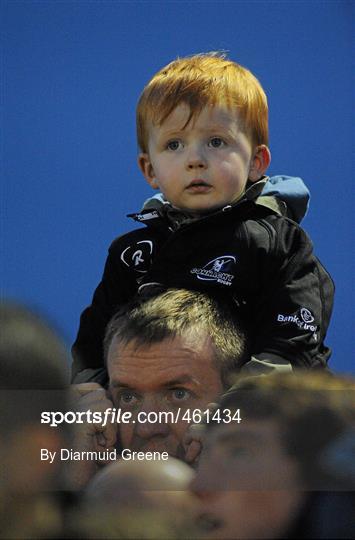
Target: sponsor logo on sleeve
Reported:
point(221, 269)
point(138, 256)
point(303, 318)
point(306, 315)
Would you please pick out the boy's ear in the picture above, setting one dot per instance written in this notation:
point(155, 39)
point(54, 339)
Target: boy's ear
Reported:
point(259, 163)
point(146, 167)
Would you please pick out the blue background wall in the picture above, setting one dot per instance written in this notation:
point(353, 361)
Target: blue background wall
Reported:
point(72, 73)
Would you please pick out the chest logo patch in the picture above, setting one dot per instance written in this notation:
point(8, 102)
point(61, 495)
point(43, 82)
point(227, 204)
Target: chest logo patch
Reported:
point(220, 269)
point(138, 256)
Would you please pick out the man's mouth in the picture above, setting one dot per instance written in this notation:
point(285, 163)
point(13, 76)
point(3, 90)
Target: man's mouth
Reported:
point(152, 446)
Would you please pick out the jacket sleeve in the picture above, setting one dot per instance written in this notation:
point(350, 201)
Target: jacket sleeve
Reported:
point(116, 287)
point(294, 304)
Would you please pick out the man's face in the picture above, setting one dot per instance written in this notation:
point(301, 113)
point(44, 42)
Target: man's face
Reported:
point(202, 166)
point(173, 375)
point(247, 485)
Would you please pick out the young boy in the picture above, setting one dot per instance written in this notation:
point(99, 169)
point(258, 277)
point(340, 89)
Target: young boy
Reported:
point(202, 125)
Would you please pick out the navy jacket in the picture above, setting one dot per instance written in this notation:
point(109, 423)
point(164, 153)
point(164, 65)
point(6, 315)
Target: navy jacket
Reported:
point(248, 253)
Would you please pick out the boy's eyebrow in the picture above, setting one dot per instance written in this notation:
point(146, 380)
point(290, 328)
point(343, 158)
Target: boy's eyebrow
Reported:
point(170, 132)
point(217, 126)
point(207, 129)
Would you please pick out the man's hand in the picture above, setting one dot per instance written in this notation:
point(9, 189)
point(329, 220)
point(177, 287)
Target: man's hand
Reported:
point(90, 437)
point(193, 439)
point(92, 396)
point(193, 443)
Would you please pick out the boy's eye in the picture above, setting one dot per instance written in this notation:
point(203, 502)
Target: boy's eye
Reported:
point(174, 145)
point(216, 142)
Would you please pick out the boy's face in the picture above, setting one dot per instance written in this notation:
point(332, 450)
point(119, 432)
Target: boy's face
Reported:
point(205, 165)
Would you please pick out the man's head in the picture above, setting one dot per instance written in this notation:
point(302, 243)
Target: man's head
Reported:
point(170, 354)
point(142, 499)
point(309, 410)
point(268, 460)
point(202, 127)
point(33, 379)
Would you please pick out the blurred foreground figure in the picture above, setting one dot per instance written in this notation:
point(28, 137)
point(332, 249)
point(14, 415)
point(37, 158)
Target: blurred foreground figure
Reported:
point(142, 499)
point(274, 474)
point(32, 379)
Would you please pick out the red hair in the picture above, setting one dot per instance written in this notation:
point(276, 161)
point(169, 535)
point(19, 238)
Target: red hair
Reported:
point(200, 80)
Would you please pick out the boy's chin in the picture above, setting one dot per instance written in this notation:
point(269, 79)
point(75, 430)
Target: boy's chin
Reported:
point(201, 210)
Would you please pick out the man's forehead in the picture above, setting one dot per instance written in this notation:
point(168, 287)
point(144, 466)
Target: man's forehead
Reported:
point(164, 362)
point(196, 343)
point(119, 380)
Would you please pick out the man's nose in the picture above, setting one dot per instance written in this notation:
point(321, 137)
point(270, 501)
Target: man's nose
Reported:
point(151, 421)
point(196, 158)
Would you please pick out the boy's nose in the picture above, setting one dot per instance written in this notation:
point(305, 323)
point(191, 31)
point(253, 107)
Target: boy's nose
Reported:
point(196, 159)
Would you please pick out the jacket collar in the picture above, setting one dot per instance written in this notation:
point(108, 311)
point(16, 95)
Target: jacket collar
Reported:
point(157, 209)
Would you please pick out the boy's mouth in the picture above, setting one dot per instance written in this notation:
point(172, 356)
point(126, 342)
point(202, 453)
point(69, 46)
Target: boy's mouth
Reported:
point(198, 186)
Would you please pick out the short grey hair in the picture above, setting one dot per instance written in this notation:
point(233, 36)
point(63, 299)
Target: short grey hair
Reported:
point(176, 312)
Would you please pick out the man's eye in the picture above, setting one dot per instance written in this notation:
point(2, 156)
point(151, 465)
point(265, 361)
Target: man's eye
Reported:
point(216, 142)
point(180, 394)
point(127, 398)
point(174, 145)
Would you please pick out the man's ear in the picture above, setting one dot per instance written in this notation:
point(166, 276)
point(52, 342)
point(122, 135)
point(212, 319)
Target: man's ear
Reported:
point(146, 167)
point(259, 163)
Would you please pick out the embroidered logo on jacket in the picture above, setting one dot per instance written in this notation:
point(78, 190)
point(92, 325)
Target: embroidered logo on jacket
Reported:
point(306, 315)
point(138, 256)
point(220, 270)
point(301, 318)
point(146, 216)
